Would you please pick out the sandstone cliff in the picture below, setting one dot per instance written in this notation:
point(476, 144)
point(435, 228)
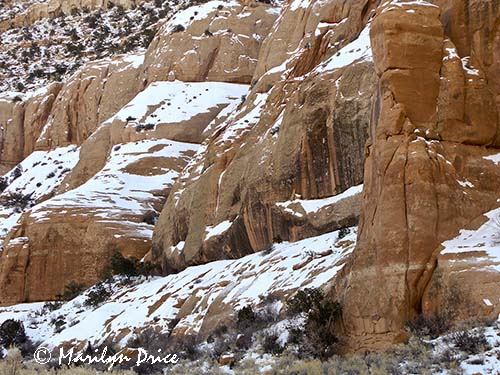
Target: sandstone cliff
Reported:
point(434, 124)
point(247, 124)
point(64, 114)
point(100, 220)
point(299, 134)
point(21, 123)
point(216, 41)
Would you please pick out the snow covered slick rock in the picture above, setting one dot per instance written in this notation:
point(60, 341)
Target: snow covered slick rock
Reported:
point(427, 174)
point(124, 173)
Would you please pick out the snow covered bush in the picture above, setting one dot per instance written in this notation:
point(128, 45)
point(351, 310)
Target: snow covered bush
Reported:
point(344, 232)
point(178, 29)
point(16, 173)
point(48, 307)
point(18, 201)
point(271, 343)
point(3, 184)
point(12, 334)
point(150, 217)
point(97, 295)
point(246, 317)
point(128, 267)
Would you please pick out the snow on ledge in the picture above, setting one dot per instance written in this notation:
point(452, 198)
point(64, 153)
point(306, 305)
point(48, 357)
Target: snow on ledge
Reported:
point(314, 205)
point(494, 158)
point(196, 13)
point(218, 229)
point(177, 101)
point(485, 240)
point(359, 49)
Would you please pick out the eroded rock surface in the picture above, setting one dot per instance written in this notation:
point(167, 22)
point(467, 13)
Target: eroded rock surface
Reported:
point(89, 98)
point(80, 229)
point(22, 119)
point(197, 300)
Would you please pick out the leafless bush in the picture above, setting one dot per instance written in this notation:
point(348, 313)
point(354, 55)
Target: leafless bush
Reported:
point(471, 342)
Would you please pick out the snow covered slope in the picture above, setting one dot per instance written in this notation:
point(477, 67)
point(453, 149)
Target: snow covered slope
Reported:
point(471, 262)
point(485, 240)
point(223, 286)
point(178, 110)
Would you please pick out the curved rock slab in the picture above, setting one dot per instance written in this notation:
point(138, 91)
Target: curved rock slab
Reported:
point(308, 32)
point(468, 270)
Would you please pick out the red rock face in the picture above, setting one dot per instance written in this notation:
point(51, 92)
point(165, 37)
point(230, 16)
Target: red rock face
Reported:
point(319, 152)
point(435, 118)
point(428, 107)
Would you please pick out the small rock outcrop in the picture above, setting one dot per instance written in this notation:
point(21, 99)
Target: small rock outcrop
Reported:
point(64, 114)
point(22, 119)
point(89, 98)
